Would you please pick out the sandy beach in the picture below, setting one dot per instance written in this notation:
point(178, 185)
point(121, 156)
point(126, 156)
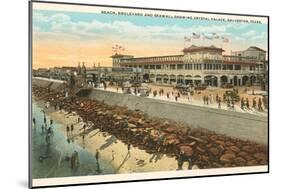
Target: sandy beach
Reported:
point(110, 148)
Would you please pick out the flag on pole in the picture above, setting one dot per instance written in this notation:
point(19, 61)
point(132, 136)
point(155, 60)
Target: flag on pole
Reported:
point(195, 36)
point(216, 36)
point(187, 39)
point(225, 40)
point(117, 48)
point(207, 37)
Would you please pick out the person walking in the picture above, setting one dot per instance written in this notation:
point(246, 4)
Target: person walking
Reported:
point(254, 105)
point(210, 99)
point(264, 100)
point(260, 105)
point(219, 103)
point(72, 128)
point(217, 98)
point(242, 103)
point(84, 127)
point(180, 160)
point(112, 155)
point(34, 122)
point(42, 128)
point(247, 103)
point(228, 102)
point(45, 119)
point(232, 103)
point(97, 155)
point(129, 147)
point(67, 130)
point(97, 160)
point(154, 93)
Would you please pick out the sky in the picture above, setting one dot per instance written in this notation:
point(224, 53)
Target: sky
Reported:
point(64, 38)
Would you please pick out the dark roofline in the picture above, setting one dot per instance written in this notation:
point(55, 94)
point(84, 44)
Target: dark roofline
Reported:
point(233, 56)
point(257, 48)
point(145, 57)
point(194, 48)
point(119, 55)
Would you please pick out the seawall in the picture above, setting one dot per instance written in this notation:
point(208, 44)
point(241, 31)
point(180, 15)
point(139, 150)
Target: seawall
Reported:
point(234, 124)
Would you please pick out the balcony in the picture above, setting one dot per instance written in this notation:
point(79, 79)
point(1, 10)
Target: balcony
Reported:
point(230, 72)
point(198, 72)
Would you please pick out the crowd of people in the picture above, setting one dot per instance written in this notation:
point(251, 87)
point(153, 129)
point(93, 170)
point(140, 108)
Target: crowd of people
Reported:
point(257, 103)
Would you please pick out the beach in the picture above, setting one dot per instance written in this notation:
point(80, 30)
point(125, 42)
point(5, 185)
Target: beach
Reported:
point(111, 149)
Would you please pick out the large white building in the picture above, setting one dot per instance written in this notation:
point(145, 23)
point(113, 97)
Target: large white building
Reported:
point(200, 64)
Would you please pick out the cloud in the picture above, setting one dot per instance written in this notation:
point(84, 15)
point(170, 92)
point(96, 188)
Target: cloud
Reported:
point(62, 23)
point(250, 33)
point(62, 27)
point(260, 37)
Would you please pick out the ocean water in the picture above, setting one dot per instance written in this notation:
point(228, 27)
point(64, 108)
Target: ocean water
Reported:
point(51, 160)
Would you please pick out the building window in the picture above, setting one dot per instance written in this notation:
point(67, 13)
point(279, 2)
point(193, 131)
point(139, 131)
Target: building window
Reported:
point(237, 67)
point(180, 66)
point(197, 66)
point(152, 66)
point(158, 67)
point(172, 67)
point(230, 67)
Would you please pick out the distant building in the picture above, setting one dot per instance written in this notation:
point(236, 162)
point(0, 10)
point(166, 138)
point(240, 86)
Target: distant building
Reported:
point(117, 74)
point(41, 72)
point(200, 64)
point(60, 73)
point(254, 52)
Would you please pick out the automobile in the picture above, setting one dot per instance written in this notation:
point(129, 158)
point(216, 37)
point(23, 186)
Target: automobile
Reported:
point(143, 89)
point(127, 87)
point(184, 89)
point(233, 94)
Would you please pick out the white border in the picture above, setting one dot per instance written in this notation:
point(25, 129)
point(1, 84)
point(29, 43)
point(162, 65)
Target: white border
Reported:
point(98, 9)
point(143, 176)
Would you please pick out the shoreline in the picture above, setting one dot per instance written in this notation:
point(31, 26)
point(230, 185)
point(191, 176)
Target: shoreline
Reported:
point(138, 160)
